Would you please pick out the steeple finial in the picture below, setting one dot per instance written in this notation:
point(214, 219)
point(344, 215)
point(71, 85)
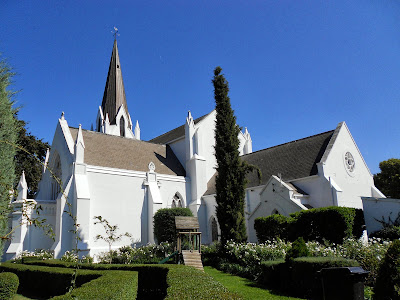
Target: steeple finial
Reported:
point(115, 33)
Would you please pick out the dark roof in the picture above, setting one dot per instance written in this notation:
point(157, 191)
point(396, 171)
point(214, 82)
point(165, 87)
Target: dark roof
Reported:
point(174, 133)
point(122, 153)
point(114, 91)
point(292, 160)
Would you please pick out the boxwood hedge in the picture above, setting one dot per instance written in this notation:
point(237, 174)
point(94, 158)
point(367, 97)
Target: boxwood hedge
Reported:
point(154, 281)
point(47, 282)
point(8, 285)
point(300, 276)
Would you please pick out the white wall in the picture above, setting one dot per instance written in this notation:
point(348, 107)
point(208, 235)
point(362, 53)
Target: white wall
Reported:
point(376, 208)
point(353, 184)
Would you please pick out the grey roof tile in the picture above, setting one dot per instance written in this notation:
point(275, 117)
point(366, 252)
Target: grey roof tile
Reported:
point(122, 153)
point(293, 160)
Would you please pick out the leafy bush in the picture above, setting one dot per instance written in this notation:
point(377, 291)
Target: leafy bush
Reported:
point(71, 256)
point(388, 280)
point(387, 233)
point(164, 223)
point(40, 254)
point(313, 225)
point(149, 254)
point(298, 249)
point(271, 227)
point(304, 280)
point(300, 277)
point(316, 224)
point(8, 285)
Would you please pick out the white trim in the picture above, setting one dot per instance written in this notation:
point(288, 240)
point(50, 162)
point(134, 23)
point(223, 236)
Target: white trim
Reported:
point(130, 173)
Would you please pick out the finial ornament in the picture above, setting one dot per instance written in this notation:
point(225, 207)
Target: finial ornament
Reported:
point(152, 166)
point(115, 32)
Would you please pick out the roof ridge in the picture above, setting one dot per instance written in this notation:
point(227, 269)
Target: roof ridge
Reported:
point(195, 121)
point(116, 136)
point(311, 136)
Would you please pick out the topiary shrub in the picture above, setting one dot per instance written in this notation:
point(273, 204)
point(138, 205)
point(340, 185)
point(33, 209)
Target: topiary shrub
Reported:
point(298, 249)
point(271, 227)
point(164, 223)
point(388, 280)
point(316, 224)
point(9, 283)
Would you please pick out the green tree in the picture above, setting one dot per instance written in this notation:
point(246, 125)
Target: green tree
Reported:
point(231, 171)
point(8, 138)
point(29, 161)
point(164, 223)
point(388, 180)
point(111, 235)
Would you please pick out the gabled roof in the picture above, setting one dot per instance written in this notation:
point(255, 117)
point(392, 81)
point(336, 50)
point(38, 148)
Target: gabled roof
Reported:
point(293, 160)
point(175, 133)
point(122, 153)
point(114, 91)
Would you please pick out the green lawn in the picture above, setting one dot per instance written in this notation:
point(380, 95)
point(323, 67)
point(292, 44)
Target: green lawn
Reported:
point(244, 287)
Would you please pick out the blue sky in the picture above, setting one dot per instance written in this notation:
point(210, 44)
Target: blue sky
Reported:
point(295, 68)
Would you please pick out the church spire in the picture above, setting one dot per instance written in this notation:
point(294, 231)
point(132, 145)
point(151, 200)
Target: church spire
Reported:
point(114, 92)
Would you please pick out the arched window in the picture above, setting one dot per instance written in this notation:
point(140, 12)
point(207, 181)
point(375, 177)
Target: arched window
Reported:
point(56, 177)
point(122, 126)
point(177, 201)
point(214, 229)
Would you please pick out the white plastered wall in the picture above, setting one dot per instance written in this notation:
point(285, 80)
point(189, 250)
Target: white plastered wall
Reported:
point(353, 185)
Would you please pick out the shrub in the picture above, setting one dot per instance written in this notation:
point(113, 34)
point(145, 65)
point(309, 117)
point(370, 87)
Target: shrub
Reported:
point(313, 225)
point(271, 227)
point(304, 279)
point(388, 280)
point(316, 224)
point(154, 281)
point(164, 223)
point(298, 249)
point(149, 254)
point(8, 285)
point(387, 233)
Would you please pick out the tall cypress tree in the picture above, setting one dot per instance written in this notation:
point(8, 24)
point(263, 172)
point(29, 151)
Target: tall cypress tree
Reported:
point(231, 171)
point(8, 138)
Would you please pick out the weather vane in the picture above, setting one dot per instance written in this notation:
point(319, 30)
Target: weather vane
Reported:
point(115, 32)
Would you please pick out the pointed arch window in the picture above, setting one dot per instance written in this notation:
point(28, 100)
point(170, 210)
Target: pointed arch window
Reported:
point(177, 201)
point(214, 229)
point(56, 177)
point(122, 126)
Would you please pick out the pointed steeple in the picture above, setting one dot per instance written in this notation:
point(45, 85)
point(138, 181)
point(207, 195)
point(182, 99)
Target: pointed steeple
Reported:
point(114, 92)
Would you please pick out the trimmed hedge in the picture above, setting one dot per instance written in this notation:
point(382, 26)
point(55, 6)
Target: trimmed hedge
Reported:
point(8, 285)
point(274, 226)
point(313, 225)
point(46, 282)
point(164, 223)
point(159, 281)
point(299, 277)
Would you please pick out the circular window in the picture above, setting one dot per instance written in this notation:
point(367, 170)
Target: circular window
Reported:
point(349, 162)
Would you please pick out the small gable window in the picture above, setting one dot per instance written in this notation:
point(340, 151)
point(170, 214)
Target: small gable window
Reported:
point(176, 201)
point(122, 126)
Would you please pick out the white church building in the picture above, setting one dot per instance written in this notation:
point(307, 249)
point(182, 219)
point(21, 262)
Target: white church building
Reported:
point(110, 172)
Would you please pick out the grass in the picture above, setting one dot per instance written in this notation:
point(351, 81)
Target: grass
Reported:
point(244, 287)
